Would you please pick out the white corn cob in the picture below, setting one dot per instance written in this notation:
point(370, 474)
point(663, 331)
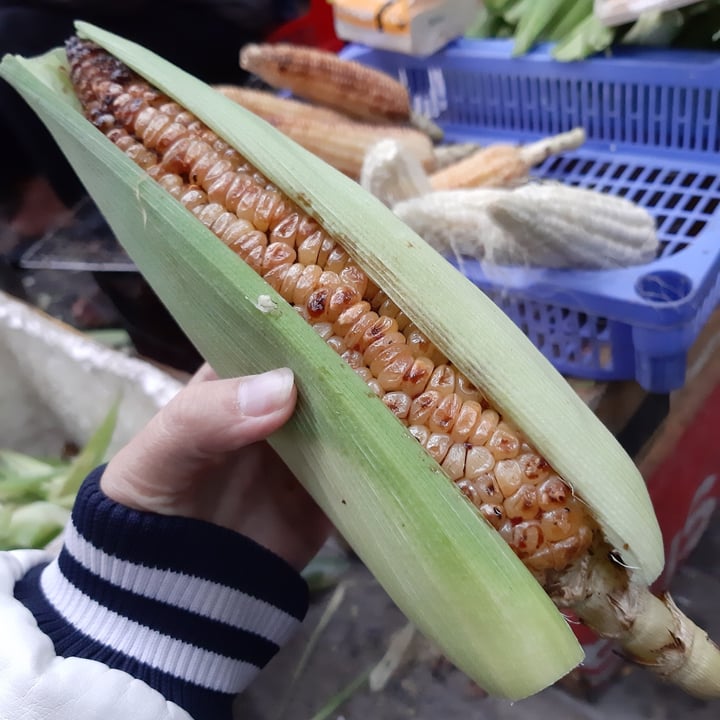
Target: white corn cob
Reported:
point(392, 173)
point(537, 225)
point(557, 225)
point(503, 165)
point(455, 221)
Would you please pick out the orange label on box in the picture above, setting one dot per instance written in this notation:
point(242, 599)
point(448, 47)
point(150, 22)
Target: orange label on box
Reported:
point(417, 27)
point(375, 15)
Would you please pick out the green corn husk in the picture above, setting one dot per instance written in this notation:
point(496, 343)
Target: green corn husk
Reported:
point(449, 572)
point(65, 485)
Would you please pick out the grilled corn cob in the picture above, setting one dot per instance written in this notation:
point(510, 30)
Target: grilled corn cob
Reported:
point(322, 77)
point(339, 141)
point(345, 145)
point(125, 109)
point(514, 488)
point(270, 106)
point(503, 165)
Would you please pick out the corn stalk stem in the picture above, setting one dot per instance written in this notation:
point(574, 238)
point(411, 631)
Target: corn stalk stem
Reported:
point(539, 151)
point(426, 125)
point(651, 630)
point(446, 155)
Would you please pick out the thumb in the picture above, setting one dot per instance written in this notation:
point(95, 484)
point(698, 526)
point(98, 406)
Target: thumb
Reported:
point(219, 416)
point(204, 420)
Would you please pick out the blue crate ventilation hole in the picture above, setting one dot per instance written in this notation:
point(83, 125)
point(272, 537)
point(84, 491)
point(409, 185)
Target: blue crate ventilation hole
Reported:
point(653, 125)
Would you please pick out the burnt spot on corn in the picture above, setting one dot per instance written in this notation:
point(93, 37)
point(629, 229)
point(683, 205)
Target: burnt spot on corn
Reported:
point(509, 483)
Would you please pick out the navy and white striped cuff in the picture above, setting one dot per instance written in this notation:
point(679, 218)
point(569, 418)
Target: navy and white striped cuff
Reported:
point(191, 609)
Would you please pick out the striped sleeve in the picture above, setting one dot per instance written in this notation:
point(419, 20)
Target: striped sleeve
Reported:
point(192, 609)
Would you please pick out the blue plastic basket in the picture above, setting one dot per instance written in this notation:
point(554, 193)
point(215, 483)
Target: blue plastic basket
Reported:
point(653, 124)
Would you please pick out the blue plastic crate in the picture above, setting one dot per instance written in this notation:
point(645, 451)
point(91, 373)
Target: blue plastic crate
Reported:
point(653, 124)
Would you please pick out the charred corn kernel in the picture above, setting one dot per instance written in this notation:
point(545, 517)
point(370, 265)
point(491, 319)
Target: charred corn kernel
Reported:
point(322, 77)
point(306, 267)
point(503, 165)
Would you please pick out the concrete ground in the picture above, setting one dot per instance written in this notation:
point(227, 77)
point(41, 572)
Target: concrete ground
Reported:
point(427, 688)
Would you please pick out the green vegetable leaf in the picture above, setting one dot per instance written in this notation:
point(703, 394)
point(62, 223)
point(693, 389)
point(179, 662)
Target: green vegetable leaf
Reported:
point(33, 525)
point(580, 10)
point(534, 19)
point(64, 486)
point(588, 38)
point(23, 476)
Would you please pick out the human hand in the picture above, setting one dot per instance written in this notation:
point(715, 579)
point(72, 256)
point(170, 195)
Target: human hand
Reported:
point(202, 457)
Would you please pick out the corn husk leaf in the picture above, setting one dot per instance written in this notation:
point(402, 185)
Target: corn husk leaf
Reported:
point(450, 573)
point(36, 495)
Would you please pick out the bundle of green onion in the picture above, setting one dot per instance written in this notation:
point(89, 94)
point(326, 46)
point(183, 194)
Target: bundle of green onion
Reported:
point(577, 32)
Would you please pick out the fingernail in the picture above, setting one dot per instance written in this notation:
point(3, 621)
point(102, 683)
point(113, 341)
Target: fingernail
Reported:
point(260, 395)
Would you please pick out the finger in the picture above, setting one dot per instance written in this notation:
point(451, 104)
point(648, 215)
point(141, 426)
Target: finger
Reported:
point(203, 374)
point(202, 423)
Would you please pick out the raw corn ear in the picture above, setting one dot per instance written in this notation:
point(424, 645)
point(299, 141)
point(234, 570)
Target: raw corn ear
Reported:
point(536, 225)
point(556, 225)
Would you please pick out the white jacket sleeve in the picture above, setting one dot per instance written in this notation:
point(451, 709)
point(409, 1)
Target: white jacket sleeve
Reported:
point(140, 616)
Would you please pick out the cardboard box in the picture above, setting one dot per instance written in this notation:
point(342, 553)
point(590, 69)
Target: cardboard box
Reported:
point(414, 27)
